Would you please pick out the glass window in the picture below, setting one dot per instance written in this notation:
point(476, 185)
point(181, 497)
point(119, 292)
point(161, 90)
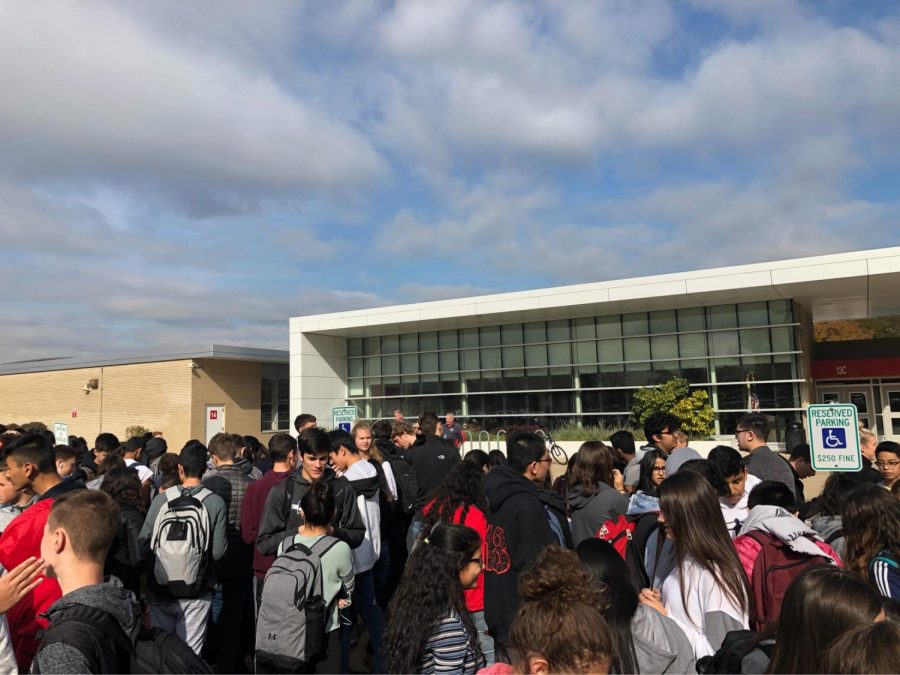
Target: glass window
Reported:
point(664, 347)
point(511, 334)
point(373, 346)
point(609, 351)
point(409, 364)
point(516, 403)
point(637, 349)
point(431, 384)
point(695, 371)
point(663, 371)
point(428, 362)
point(409, 342)
point(535, 332)
point(392, 387)
point(692, 345)
point(490, 380)
point(753, 313)
point(538, 378)
point(376, 388)
point(663, 321)
point(490, 358)
point(354, 367)
point(470, 359)
point(612, 375)
point(638, 374)
point(428, 341)
point(722, 316)
point(558, 330)
point(449, 361)
point(562, 402)
point(691, 318)
point(450, 383)
point(584, 329)
point(355, 347)
point(609, 326)
point(447, 339)
point(780, 311)
point(728, 370)
point(474, 382)
point(560, 354)
point(514, 380)
point(373, 366)
point(561, 378)
point(410, 385)
point(586, 352)
point(489, 336)
point(725, 343)
point(635, 324)
point(390, 365)
point(468, 337)
point(536, 355)
point(783, 368)
point(390, 344)
point(513, 357)
point(755, 341)
point(760, 366)
point(783, 339)
point(615, 401)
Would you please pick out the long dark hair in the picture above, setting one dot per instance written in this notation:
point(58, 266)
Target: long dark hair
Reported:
point(593, 465)
point(462, 487)
point(610, 574)
point(691, 510)
point(870, 518)
point(647, 464)
point(428, 588)
point(124, 486)
point(820, 605)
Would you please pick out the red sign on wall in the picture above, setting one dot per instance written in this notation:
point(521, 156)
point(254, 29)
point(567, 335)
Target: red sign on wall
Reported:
point(74, 412)
point(856, 369)
point(213, 414)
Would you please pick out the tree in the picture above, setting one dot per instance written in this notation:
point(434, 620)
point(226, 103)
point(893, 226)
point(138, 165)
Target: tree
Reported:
point(675, 397)
point(136, 430)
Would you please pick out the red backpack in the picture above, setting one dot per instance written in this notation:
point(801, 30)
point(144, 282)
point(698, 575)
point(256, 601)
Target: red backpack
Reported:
point(774, 568)
point(618, 533)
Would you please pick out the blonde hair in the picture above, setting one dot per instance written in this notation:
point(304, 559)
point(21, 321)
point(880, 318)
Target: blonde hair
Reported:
point(865, 434)
point(374, 452)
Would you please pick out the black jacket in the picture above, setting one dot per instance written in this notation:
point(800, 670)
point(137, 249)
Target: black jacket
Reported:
point(556, 505)
point(517, 532)
point(867, 474)
point(280, 517)
point(230, 483)
point(433, 458)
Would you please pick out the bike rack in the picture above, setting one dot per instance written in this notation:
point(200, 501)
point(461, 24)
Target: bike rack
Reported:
point(481, 436)
point(500, 431)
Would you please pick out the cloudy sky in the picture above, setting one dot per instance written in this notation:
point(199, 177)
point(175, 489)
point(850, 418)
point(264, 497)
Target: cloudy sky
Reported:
point(174, 174)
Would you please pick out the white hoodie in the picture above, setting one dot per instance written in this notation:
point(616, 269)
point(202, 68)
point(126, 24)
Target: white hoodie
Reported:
point(367, 553)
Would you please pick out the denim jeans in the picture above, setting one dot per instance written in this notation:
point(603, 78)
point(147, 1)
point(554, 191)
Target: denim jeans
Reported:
point(365, 604)
point(485, 641)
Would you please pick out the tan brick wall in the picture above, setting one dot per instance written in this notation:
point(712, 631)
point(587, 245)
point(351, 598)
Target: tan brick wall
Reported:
point(236, 384)
point(154, 395)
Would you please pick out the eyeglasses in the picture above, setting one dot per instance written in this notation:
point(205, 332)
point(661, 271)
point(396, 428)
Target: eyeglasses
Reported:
point(738, 432)
point(545, 459)
point(477, 561)
point(659, 469)
point(893, 464)
point(667, 433)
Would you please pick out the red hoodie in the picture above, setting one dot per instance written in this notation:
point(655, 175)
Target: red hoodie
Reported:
point(251, 514)
point(476, 520)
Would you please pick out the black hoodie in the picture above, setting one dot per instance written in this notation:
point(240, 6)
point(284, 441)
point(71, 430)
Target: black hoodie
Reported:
point(433, 458)
point(517, 532)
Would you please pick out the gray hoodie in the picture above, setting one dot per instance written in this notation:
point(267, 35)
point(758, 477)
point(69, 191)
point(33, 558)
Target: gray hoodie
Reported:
point(589, 512)
point(659, 644)
point(827, 527)
point(111, 597)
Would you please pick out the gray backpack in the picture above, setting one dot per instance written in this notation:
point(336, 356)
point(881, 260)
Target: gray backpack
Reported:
point(290, 628)
point(180, 543)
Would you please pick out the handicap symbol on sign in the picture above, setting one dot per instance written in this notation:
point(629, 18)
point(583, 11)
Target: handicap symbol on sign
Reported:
point(344, 426)
point(834, 438)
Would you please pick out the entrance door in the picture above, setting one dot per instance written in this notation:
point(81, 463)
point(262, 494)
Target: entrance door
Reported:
point(890, 394)
point(858, 395)
point(215, 420)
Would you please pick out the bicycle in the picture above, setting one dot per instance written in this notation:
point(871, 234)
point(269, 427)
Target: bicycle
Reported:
point(556, 450)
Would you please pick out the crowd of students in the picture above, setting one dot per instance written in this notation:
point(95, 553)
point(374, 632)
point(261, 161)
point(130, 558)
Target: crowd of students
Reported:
point(239, 557)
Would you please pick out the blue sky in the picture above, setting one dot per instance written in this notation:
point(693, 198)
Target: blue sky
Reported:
point(174, 174)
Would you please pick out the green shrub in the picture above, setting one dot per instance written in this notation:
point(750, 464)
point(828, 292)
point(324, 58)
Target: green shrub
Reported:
point(570, 431)
point(135, 430)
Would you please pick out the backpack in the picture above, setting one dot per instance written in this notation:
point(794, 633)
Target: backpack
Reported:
point(108, 649)
point(645, 524)
point(407, 483)
point(730, 656)
point(774, 568)
point(618, 533)
point(290, 627)
point(180, 542)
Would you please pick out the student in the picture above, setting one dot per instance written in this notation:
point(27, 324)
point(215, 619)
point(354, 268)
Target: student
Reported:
point(479, 458)
point(66, 460)
point(187, 617)
point(429, 629)
point(645, 640)
point(133, 451)
point(31, 465)
point(707, 593)
point(518, 528)
point(12, 502)
point(124, 560)
point(800, 461)
point(317, 506)
point(825, 511)
point(738, 483)
point(653, 473)
point(887, 455)
point(820, 605)
point(867, 649)
point(363, 478)
point(681, 453)
point(871, 522)
point(497, 458)
point(751, 432)
point(304, 421)
point(622, 443)
point(558, 627)
point(867, 444)
point(80, 529)
point(460, 500)
point(592, 498)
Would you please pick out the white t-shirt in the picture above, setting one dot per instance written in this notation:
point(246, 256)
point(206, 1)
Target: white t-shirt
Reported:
point(736, 515)
point(144, 473)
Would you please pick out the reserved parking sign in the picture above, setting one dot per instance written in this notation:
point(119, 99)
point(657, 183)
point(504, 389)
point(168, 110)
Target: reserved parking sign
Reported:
point(834, 437)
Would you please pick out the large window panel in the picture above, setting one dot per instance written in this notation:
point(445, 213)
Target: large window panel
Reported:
point(447, 339)
point(376, 388)
point(431, 383)
point(695, 370)
point(490, 358)
point(755, 341)
point(617, 400)
point(588, 377)
point(753, 314)
point(390, 365)
point(780, 311)
point(609, 326)
point(664, 347)
point(428, 362)
point(491, 380)
point(373, 346)
point(590, 402)
point(692, 345)
point(468, 337)
point(516, 404)
point(489, 336)
point(514, 380)
point(733, 397)
point(536, 355)
point(562, 402)
point(784, 367)
point(535, 332)
point(663, 371)
point(691, 318)
point(725, 343)
point(586, 352)
point(513, 357)
point(354, 367)
point(511, 334)
point(663, 321)
point(449, 361)
point(392, 386)
point(410, 385)
point(409, 363)
point(560, 354)
point(612, 375)
point(638, 374)
point(558, 330)
point(538, 378)
point(783, 339)
point(428, 341)
point(409, 342)
point(561, 378)
point(721, 316)
point(635, 324)
point(390, 344)
point(470, 360)
point(355, 347)
point(474, 382)
point(584, 329)
point(610, 351)
point(637, 349)
point(728, 370)
point(373, 366)
point(450, 383)
point(760, 366)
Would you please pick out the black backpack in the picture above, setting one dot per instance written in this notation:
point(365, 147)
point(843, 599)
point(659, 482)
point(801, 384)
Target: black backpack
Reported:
point(407, 483)
point(108, 649)
point(730, 656)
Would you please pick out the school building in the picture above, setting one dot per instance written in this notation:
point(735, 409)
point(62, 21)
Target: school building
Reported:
point(192, 394)
point(580, 352)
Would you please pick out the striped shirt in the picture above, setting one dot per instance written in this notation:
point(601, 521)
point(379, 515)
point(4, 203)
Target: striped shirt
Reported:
point(885, 573)
point(449, 650)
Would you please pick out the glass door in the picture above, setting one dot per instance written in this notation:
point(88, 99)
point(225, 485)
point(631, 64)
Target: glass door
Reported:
point(858, 395)
point(890, 394)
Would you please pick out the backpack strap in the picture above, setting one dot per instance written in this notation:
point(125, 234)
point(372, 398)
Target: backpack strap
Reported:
point(834, 536)
point(102, 624)
point(323, 545)
point(288, 497)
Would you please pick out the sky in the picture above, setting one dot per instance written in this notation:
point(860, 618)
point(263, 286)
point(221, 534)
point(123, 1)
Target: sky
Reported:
point(175, 174)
